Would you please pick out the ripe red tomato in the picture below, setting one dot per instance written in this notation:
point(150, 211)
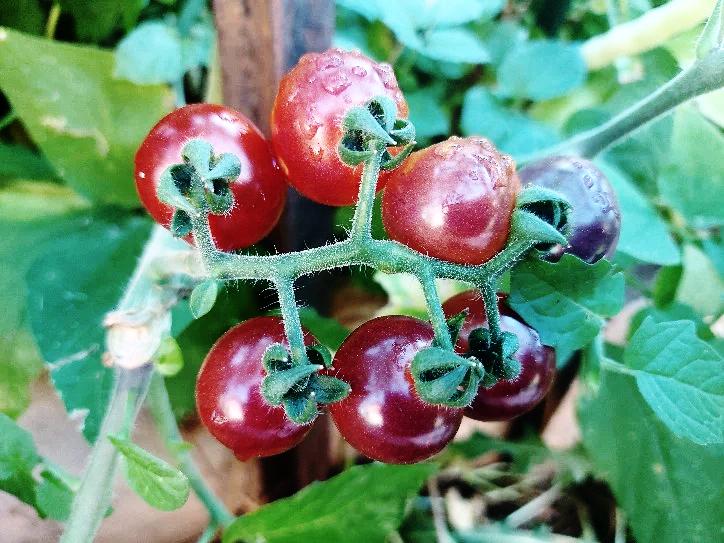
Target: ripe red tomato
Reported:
point(229, 398)
point(452, 200)
point(505, 399)
point(383, 417)
point(259, 192)
point(306, 120)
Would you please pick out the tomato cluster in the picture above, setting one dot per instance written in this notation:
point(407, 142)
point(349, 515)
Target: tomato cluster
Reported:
point(453, 201)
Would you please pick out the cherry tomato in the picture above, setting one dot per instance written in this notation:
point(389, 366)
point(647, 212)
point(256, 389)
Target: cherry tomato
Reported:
point(383, 417)
point(259, 192)
point(229, 398)
point(505, 399)
point(595, 220)
point(307, 118)
point(452, 200)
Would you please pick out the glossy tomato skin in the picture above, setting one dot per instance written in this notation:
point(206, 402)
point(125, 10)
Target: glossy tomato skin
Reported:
point(595, 219)
point(229, 398)
point(306, 120)
point(383, 417)
point(452, 200)
point(259, 192)
point(505, 399)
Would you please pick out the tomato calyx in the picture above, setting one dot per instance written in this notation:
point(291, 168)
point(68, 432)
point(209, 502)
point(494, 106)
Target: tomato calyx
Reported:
point(299, 388)
point(199, 184)
point(373, 128)
point(496, 354)
point(541, 215)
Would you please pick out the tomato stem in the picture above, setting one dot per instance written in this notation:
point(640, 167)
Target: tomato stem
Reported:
point(290, 316)
point(434, 309)
point(492, 313)
point(362, 220)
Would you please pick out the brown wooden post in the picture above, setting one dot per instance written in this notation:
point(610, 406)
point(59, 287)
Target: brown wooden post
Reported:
point(258, 41)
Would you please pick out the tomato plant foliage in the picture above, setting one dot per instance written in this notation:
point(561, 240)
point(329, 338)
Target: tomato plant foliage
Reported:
point(638, 331)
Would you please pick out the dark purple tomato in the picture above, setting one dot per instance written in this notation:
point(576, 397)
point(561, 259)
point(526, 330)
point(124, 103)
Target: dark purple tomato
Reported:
point(452, 200)
point(229, 398)
point(505, 399)
point(595, 220)
point(306, 120)
point(259, 191)
point(383, 417)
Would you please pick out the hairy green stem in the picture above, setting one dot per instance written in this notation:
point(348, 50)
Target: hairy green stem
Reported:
point(490, 301)
point(130, 386)
point(160, 406)
point(96, 489)
point(52, 22)
point(292, 323)
point(434, 309)
point(362, 220)
point(705, 75)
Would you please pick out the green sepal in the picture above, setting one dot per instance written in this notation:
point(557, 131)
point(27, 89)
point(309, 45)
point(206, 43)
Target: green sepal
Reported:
point(198, 154)
point(444, 378)
point(361, 121)
point(329, 389)
point(384, 110)
point(498, 357)
point(227, 166)
point(203, 297)
point(301, 409)
point(277, 384)
point(390, 161)
point(276, 358)
point(172, 189)
point(319, 354)
point(541, 215)
point(403, 132)
point(220, 199)
point(353, 150)
point(525, 225)
point(181, 225)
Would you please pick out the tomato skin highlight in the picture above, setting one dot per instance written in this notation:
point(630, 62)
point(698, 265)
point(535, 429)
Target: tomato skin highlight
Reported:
point(505, 399)
point(259, 192)
point(229, 398)
point(452, 200)
point(306, 120)
point(595, 221)
point(383, 417)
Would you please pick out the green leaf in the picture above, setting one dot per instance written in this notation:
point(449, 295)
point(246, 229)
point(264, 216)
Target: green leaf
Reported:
point(328, 331)
point(170, 359)
point(159, 484)
point(510, 130)
point(644, 234)
point(361, 505)
point(70, 289)
point(203, 297)
point(18, 457)
point(151, 53)
point(692, 175)
point(51, 492)
point(700, 285)
point(87, 124)
point(25, 15)
point(566, 302)
point(32, 216)
point(667, 486)
point(427, 114)
point(541, 70)
point(453, 45)
point(681, 377)
point(96, 19)
point(713, 34)
point(17, 161)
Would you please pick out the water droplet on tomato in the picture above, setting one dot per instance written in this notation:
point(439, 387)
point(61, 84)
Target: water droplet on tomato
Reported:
point(359, 71)
point(336, 83)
